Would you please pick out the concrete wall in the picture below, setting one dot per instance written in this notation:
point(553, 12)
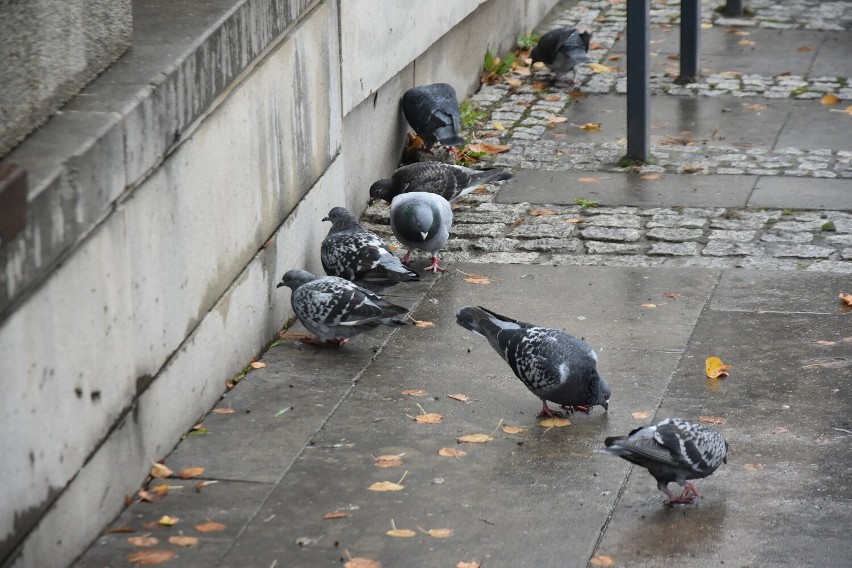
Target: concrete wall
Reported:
point(162, 217)
point(50, 50)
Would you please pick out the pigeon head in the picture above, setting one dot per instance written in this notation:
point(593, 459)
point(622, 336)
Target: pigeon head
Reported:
point(341, 219)
point(601, 393)
point(295, 278)
point(384, 189)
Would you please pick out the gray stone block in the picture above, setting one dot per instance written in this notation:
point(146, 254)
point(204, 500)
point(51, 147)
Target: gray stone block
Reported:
point(675, 249)
point(674, 235)
point(608, 234)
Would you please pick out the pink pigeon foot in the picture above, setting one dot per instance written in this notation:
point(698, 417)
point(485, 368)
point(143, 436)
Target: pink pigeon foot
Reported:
point(690, 488)
point(434, 266)
point(585, 409)
point(684, 498)
point(407, 258)
point(547, 412)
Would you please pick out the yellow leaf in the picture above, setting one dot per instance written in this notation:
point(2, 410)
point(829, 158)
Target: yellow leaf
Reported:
point(335, 515)
point(704, 26)
point(168, 520)
point(477, 279)
point(712, 420)
point(498, 126)
point(143, 541)
point(471, 564)
point(161, 489)
point(360, 562)
point(422, 323)
point(488, 148)
point(714, 368)
point(388, 460)
point(554, 422)
point(429, 418)
point(598, 68)
point(542, 212)
point(393, 248)
point(641, 414)
point(451, 453)
point(258, 365)
point(753, 466)
point(556, 119)
point(806, 48)
point(180, 540)
point(209, 526)
point(590, 179)
point(228, 410)
point(190, 472)
point(591, 126)
point(602, 560)
point(459, 397)
point(402, 533)
point(150, 557)
point(647, 305)
point(745, 42)
point(475, 439)
point(160, 470)
point(614, 57)
point(414, 392)
point(440, 533)
point(512, 429)
point(383, 486)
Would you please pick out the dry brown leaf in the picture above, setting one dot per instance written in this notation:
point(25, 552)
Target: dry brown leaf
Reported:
point(402, 533)
point(414, 392)
point(829, 99)
point(167, 520)
point(161, 489)
point(757, 107)
point(190, 472)
point(822, 342)
point(590, 179)
point(181, 540)
point(522, 71)
point(845, 298)
point(715, 368)
point(647, 305)
point(460, 397)
point(806, 48)
point(258, 365)
point(439, 533)
point(422, 323)
point(120, 530)
point(575, 220)
point(475, 439)
point(712, 420)
point(552, 98)
point(590, 126)
point(672, 295)
point(554, 422)
point(429, 418)
point(471, 564)
point(651, 176)
point(847, 110)
point(150, 525)
point(542, 212)
point(556, 119)
point(143, 541)
point(746, 42)
point(202, 484)
point(640, 414)
point(477, 279)
point(614, 57)
point(229, 384)
point(452, 452)
point(335, 515)
point(512, 429)
point(388, 460)
point(382, 486)
point(150, 557)
point(209, 526)
point(160, 470)
point(220, 410)
point(513, 82)
point(602, 560)
point(753, 466)
point(361, 562)
point(148, 497)
point(488, 148)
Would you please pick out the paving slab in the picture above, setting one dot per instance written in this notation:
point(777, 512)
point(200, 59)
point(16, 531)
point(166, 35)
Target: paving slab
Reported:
point(799, 132)
point(833, 59)
point(798, 193)
point(616, 188)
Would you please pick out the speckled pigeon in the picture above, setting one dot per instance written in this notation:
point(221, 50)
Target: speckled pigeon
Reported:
point(672, 450)
point(352, 252)
point(335, 309)
point(433, 112)
point(446, 180)
point(562, 50)
point(555, 366)
point(421, 221)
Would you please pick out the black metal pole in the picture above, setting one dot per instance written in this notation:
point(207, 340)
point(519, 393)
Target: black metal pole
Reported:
point(734, 8)
point(638, 33)
point(690, 31)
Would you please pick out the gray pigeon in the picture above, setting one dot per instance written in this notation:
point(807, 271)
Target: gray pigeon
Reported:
point(421, 221)
point(356, 254)
point(555, 366)
point(446, 180)
point(562, 50)
point(672, 450)
point(433, 112)
point(335, 309)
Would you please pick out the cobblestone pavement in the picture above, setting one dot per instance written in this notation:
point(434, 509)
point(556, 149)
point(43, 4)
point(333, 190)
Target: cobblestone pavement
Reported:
point(523, 118)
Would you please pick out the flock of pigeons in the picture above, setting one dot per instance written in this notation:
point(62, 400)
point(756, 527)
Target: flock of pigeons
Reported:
point(555, 366)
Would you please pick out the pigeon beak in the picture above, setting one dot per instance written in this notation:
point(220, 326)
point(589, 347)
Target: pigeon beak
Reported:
point(606, 405)
point(280, 284)
point(326, 219)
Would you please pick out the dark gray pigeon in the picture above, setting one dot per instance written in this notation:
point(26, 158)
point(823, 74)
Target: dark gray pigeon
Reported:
point(421, 221)
point(672, 450)
point(335, 309)
point(562, 50)
point(352, 252)
point(446, 180)
point(555, 366)
point(433, 112)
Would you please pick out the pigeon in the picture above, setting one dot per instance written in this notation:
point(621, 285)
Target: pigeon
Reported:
point(446, 180)
point(356, 254)
point(421, 221)
point(562, 50)
point(335, 309)
point(555, 366)
point(433, 112)
point(672, 450)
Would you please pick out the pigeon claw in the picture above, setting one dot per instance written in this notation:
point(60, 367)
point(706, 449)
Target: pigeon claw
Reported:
point(674, 500)
point(434, 267)
point(584, 408)
point(547, 412)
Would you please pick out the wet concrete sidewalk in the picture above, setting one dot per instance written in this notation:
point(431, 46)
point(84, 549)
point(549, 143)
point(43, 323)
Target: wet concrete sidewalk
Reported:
point(291, 451)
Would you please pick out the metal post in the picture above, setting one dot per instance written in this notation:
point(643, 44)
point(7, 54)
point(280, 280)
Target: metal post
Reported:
point(638, 41)
point(734, 8)
point(690, 31)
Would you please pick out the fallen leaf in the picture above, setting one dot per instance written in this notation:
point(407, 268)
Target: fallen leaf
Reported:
point(120, 530)
point(167, 520)
point(598, 68)
point(202, 484)
point(143, 541)
point(591, 126)
point(575, 220)
point(388, 460)
point(672, 295)
point(383, 486)
point(647, 305)
point(704, 26)
point(229, 384)
point(614, 57)
point(554, 422)
point(360, 562)
point(745, 42)
point(471, 564)
point(429, 418)
point(150, 557)
point(209, 526)
point(750, 106)
point(160, 470)
point(847, 110)
point(590, 179)
point(517, 222)
point(402, 533)
point(181, 540)
point(556, 119)
point(147, 497)
point(477, 279)
point(692, 169)
point(452, 452)
point(542, 212)
point(161, 489)
point(512, 429)
point(498, 126)
point(827, 363)
point(258, 365)
point(513, 82)
point(829, 99)
point(422, 323)
point(753, 466)
point(522, 71)
point(228, 410)
point(414, 392)
point(150, 525)
point(552, 98)
point(822, 342)
point(845, 298)
point(712, 420)
point(639, 415)
point(439, 533)
point(731, 74)
point(651, 176)
point(335, 515)
point(190, 472)
point(601, 560)
point(475, 439)
point(714, 368)
point(806, 48)
point(459, 397)
point(780, 430)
